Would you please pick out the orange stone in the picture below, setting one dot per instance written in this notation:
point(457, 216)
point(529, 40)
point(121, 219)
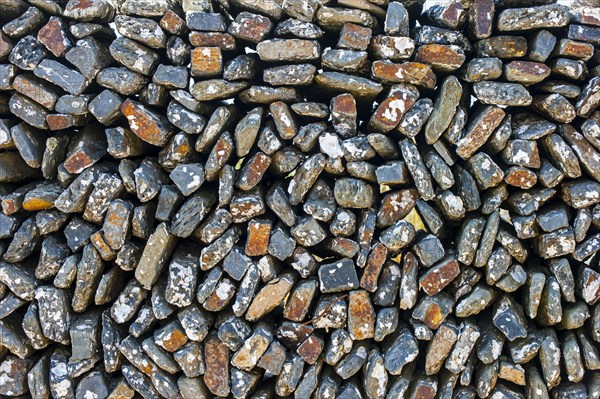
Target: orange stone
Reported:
point(521, 177)
point(391, 110)
point(396, 206)
point(441, 57)
point(207, 62)
point(216, 357)
point(257, 239)
point(415, 73)
point(439, 276)
point(361, 315)
point(375, 262)
point(224, 41)
point(480, 128)
point(270, 296)
point(172, 23)
point(147, 125)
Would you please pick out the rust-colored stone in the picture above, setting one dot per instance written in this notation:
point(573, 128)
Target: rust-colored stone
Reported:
point(257, 239)
point(53, 35)
point(271, 296)
point(391, 110)
point(298, 304)
point(375, 262)
point(480, 128)
point(396, 206)
point(174, 339)
point(354, 37)
point(521, 177)
point(441, 57)
point(224, 41)
point(251, 27)
point(64, 121)
point(206, 62)
point(439, 276)
point(106, 252)
point(221, 296)
point(361, 316)
point(574, 49)
point(148, 126)
point(502, 47)
point(311, 348)
point(415, 73)
point(216, 357)
point(439, 348)
point(172, 23)
point(433, 316)
point(254, 171)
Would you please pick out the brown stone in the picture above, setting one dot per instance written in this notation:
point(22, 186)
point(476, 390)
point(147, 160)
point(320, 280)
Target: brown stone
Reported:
point(53, 35)
point(481, 18)
point(299, 302)
point(574, 49)
point(521, 177)
point(415, 73)
point(480, 128)
point(354, 37)
point(441, 57)
point(391, 110)
point(221, 296)
point(396, 206)
point(172, 23)
point(439, 276)
point(526, 72)
point(502, 47)
point(224, 41)
point(257, 239)
point(361, 316)
point(440, 347)
point(147, 125)
point(254, 171)
point(375, 262)
point(216, 357)
point(270, 296)
point(206, 62)
point(311, 348)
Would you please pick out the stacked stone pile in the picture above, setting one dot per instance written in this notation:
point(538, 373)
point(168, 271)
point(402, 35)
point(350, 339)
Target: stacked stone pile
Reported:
point(299, 198)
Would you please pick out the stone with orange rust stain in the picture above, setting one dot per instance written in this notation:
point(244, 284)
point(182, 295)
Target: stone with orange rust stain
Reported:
point(106, 252)
point(270, 296)
point(375, 261)
point(439, 276)
point(414, 73)
point(361, 315)
point(216, 357)
point(224, 41)
point(573, 49)
point(555, 107)
point(526, 72)
point(54, 36)
point(117, 223)
point(253, 171)
point(502, 47)
point(171, 336)
point(481, 126)
point(87, 149)
point(391, 110)
point(440, 346)
point(146, 124)
point(441, 57)
point(341, 246)
point(41, 197)
point(299, 302)
point(519, 176)
point(433, 310)
point(257, 238)
point(393, 48)
point(221, 296)
point(354, 37)
point(65, 121)
point(343, 114)
point(206, 62)
point(172, 23)
point(311, 349)
point(424, 388)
